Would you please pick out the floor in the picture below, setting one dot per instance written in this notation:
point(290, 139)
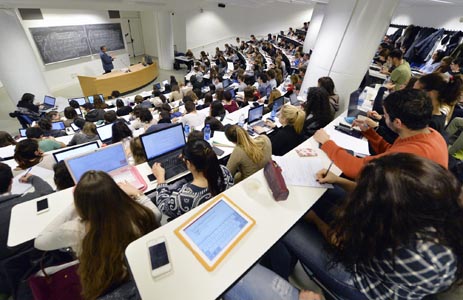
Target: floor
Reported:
point(11, 125)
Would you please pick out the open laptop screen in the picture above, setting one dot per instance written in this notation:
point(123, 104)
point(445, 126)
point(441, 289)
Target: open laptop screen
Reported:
point(81, 149)
point(105, 132)
point(91, 98)
point(163, 141)
point(50, 101)
point(255, 113)
point(58, 125)
point(80, 100)
point(104, 159)
point(278, 103)
point(226, 83)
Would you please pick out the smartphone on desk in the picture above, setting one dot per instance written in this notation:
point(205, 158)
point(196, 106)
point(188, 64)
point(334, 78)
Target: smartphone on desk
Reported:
point(159, 257)
point(42, 206)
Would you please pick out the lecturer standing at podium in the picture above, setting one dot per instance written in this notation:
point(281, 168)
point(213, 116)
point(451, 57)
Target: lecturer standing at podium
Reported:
point(106, 59)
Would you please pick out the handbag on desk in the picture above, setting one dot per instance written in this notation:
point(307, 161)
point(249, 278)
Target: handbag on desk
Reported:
point(275, 181)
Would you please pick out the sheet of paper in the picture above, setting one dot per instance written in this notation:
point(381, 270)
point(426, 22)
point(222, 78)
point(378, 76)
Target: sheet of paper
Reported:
point(300, 171)
point(220, 139)
point(21, 188)
point(348, 142)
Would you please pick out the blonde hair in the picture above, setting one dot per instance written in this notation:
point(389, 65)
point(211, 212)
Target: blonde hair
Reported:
point(193, 96)
point(273, 95)
point(252, 148)
point(294, 116)
point(89, 129)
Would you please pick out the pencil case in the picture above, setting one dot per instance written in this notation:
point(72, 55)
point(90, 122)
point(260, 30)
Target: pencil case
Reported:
point(275, 181)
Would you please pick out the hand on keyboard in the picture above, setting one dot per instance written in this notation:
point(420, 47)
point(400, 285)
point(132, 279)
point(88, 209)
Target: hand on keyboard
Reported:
point(159, 172)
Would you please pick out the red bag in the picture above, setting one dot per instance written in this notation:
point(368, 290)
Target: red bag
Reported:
point(275, 181)
point(64, 284)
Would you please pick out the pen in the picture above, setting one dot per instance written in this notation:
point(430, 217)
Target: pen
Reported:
point(326, 173)
point(27, 172)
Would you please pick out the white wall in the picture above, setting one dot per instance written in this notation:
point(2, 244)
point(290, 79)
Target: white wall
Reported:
point(442, 16)
point(150, 38)
point(63, 74)
point(220, 23)
point(179, 28)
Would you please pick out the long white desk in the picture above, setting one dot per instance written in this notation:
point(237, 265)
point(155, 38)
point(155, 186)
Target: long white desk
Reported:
point(273, 220)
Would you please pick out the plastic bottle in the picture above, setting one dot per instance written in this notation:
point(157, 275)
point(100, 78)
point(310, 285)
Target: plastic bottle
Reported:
point(186, 128)
point(241, 120)
point(273, 113)
point(207, 133)
point(362, 97)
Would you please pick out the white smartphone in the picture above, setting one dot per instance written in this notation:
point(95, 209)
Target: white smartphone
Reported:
point(42, 206)
point(159, 257)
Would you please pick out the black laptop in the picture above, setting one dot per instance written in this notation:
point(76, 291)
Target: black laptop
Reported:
point(80, 100)
point(164, 146)
point(49, 102)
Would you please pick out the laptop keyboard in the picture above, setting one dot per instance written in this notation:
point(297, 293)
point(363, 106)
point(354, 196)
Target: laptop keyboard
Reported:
point(170, 163)
point(260, 123)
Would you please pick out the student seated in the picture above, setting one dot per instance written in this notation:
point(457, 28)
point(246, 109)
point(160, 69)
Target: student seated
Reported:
point(120, 131)
point(45, 143)
point(328, 84)
point(62, 177)
point(122, 110)
point(209, 179)
point(87, 134)
point(45, 125)
point(105, 218)
point(249, 155)
point(287, 137)
point(110, 117)
point(27, 107)
point(175, 94)
point(7, 202)
point(400, 248)
point(140, 102)
point(230, 105)
point(408, 113)
point(6, 139)
point(27, 154)
point(93, 114)
point(71, 115)
point(317, 110)
point(137, 151)
point(192, 118)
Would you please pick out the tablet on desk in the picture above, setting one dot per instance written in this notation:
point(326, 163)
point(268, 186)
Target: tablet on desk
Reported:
point(213, 232)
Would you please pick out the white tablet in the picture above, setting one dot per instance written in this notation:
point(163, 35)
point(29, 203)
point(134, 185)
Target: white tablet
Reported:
point(213, 232)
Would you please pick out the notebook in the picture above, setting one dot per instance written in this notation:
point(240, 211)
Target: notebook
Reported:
point(91, 99)
point(58, 125)
point(75, 151)
point(165, 146)
point(49, 102)
point(111, 159)
point(105, 133)
point(80, 100)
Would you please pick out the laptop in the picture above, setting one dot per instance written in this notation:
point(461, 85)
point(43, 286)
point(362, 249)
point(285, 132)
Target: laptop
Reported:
point(49, 102)
point(91, 99)
point(22, 132)
point(111, 159)
point(78, 111)
point(80, 100)
point(255, 116)
point(278, 103)
point(75, 127)
point(58, 125)
point(75, 151)
point(165, 146)
point(352, 110)
point(105, 133)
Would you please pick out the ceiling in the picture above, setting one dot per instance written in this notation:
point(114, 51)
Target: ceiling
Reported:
point(181, 4)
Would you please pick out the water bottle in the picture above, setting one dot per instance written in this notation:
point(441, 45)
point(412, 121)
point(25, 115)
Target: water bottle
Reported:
point(186, 128)
point(362, 97)
point(273, 113)
point(241, 120)
point(207, 133)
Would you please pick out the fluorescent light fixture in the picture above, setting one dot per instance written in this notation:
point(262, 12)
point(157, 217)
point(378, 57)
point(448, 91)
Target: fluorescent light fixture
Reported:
point(442, 1)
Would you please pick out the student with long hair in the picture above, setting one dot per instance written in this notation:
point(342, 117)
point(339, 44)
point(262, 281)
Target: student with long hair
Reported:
point(209, 179)
point(71, 115)
point(291, 134)
point(105, 218)
point(6, 139)
point(87, 134)
point(249, 155)
point(444, 92)
point(120, 131)
point(397, 236)
point(328, 84)
point(317, 110)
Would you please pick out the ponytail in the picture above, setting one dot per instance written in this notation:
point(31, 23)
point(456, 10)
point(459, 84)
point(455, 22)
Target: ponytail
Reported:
point(299, 122)
point(294, 116)
point(203, 157)
point(249, 146)
point(449, 89)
